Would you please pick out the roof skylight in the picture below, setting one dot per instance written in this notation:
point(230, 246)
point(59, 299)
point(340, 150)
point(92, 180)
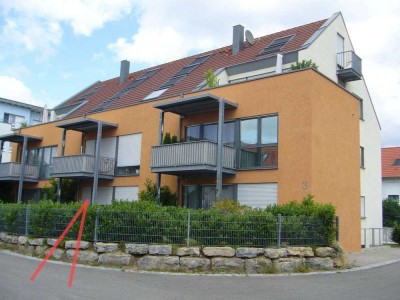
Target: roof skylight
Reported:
point(276, 45)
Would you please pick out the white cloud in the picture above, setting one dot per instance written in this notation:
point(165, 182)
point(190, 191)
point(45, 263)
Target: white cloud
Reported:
point(36, 25)
point(14, 89)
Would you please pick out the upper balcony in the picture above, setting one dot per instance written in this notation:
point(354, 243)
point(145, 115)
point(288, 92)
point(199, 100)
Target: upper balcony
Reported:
point(12, 171)
point(348, 66)
point(82, 166)
point(191, 158)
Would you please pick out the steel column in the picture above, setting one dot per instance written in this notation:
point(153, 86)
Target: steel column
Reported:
point(62, 154)
point(22, 169)
point(97, 160)
point(160, 140)
point(221, 117)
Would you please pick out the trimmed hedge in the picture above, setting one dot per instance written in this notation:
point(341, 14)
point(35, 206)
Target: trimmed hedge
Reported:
point(304, 223)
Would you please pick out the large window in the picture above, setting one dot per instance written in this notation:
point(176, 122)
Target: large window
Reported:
point(129, 152)
point(209, 132)
point(203, 196)
point(42, 157)
point(259, 142)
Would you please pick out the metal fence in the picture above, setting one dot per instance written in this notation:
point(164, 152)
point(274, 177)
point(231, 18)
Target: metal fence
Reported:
point(373, 237)
point(181, 228)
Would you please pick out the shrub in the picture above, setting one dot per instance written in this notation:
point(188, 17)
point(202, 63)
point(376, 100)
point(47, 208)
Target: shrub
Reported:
point(304, 64)
point(396, 233)
point(167, 138)
point(211, 78)
point(230, 206)
point(150, 194)
point(69, 188)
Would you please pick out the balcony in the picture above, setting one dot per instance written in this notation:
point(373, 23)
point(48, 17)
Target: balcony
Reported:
point(191, 158)
point(11, 172)
point(348, 66)
point(82, 166)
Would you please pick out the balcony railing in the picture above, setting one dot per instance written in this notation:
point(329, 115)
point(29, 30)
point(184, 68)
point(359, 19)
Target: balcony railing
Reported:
point(191, 157)
point(81, 166)
point(12, 171)
point(349, 66)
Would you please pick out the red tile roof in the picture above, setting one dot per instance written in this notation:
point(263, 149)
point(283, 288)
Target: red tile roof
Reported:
point(389, 155)
point(220, 58)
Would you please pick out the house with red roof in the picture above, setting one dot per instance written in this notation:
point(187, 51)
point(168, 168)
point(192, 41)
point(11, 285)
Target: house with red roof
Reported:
point(268, 129)
point(391, 173)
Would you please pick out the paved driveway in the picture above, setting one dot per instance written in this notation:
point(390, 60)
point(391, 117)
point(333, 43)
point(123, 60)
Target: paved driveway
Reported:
point(93, 283)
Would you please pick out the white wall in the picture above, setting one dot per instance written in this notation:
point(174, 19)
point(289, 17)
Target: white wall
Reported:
point(390, 186)
point(5, 128)
point(323, 52)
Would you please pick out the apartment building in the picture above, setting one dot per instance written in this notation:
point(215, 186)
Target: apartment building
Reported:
point(263, 134)
point(391, 173)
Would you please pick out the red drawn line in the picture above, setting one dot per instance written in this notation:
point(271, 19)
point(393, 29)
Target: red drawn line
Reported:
point(83, 210)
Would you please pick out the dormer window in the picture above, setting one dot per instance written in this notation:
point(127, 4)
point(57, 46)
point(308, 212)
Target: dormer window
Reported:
point(276, 45)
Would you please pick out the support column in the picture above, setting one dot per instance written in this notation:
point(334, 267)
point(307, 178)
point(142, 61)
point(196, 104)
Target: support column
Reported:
point(97, 161)
point(160, 139)
point(22, 169)
point(62, 154)
point(221, 116)
point(1, 150)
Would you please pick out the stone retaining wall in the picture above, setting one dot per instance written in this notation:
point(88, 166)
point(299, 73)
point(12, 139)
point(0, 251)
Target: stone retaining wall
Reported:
point(185, 259)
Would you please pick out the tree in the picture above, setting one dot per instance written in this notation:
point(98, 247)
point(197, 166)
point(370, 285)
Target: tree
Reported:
point(211, 78)
point(391, 212)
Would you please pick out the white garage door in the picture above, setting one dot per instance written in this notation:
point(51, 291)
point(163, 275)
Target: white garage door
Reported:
point(129, 193)
point(258, 195)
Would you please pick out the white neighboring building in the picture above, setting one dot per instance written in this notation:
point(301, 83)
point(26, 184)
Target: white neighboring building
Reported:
point(391, 173)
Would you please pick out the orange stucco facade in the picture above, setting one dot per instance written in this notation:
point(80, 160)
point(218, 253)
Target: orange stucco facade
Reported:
point(318, 141)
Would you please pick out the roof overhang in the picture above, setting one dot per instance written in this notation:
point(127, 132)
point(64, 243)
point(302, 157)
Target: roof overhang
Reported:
point(19, 138)
point(86, 125)
point(195, 105)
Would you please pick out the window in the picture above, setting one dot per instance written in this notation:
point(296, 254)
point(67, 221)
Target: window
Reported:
point(14, 119)
point(88, 94)
point(396, 162)
point(362, 207)
point(362, 157)
point(126, 193)
point(393, 197)
point(209, 132)
point(42, 157)
point(155, 94)
point(129, 152)
point(258, 142)
point(258, 194)
point(276, 45)
point(195, 196)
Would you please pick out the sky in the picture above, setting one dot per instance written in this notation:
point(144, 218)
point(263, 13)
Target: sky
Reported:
point(50, 50)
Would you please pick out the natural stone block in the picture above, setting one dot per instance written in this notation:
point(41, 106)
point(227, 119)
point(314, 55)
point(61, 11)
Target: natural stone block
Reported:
point(157, 263)
point(13, 239)
point(137, 248)
point(249, 252)
point(288, 264)
point(72, 244)
point(120, 259)
point(275, 253)
point(341, 262)
point(325, 252)
point(191, 264)
point(41, 250)
point(22, 240)
point(319, 263)
point(105, 247)
point(300, 251)
point(219, 251)
point(36, 242)
point(83, 256)
point(228, 265)
point(188, 251)
point(3, 236)
point(58, 254)
point(160, 249)
point(30, 250)
point(259, 265)
point(51, 242)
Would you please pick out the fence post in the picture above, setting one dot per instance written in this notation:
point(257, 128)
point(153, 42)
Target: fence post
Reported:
point(188, 230)
point(27, 219)
point(279, 230)
point(96, 224)
point(337, 228)
point(373, 237)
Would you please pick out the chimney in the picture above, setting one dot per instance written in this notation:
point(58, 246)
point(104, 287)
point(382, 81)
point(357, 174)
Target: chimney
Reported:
point(279, 60)
point(238, 39)
point(123, 74)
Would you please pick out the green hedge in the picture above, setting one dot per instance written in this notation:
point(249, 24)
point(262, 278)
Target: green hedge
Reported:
point(304, 223)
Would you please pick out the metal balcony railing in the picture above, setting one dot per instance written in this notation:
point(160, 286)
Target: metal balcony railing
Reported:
point(13, 170)
point(81, 164)
point(190, 156)
point(349, 66)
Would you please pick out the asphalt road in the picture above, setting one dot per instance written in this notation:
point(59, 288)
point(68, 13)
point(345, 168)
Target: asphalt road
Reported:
point(92, 283)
